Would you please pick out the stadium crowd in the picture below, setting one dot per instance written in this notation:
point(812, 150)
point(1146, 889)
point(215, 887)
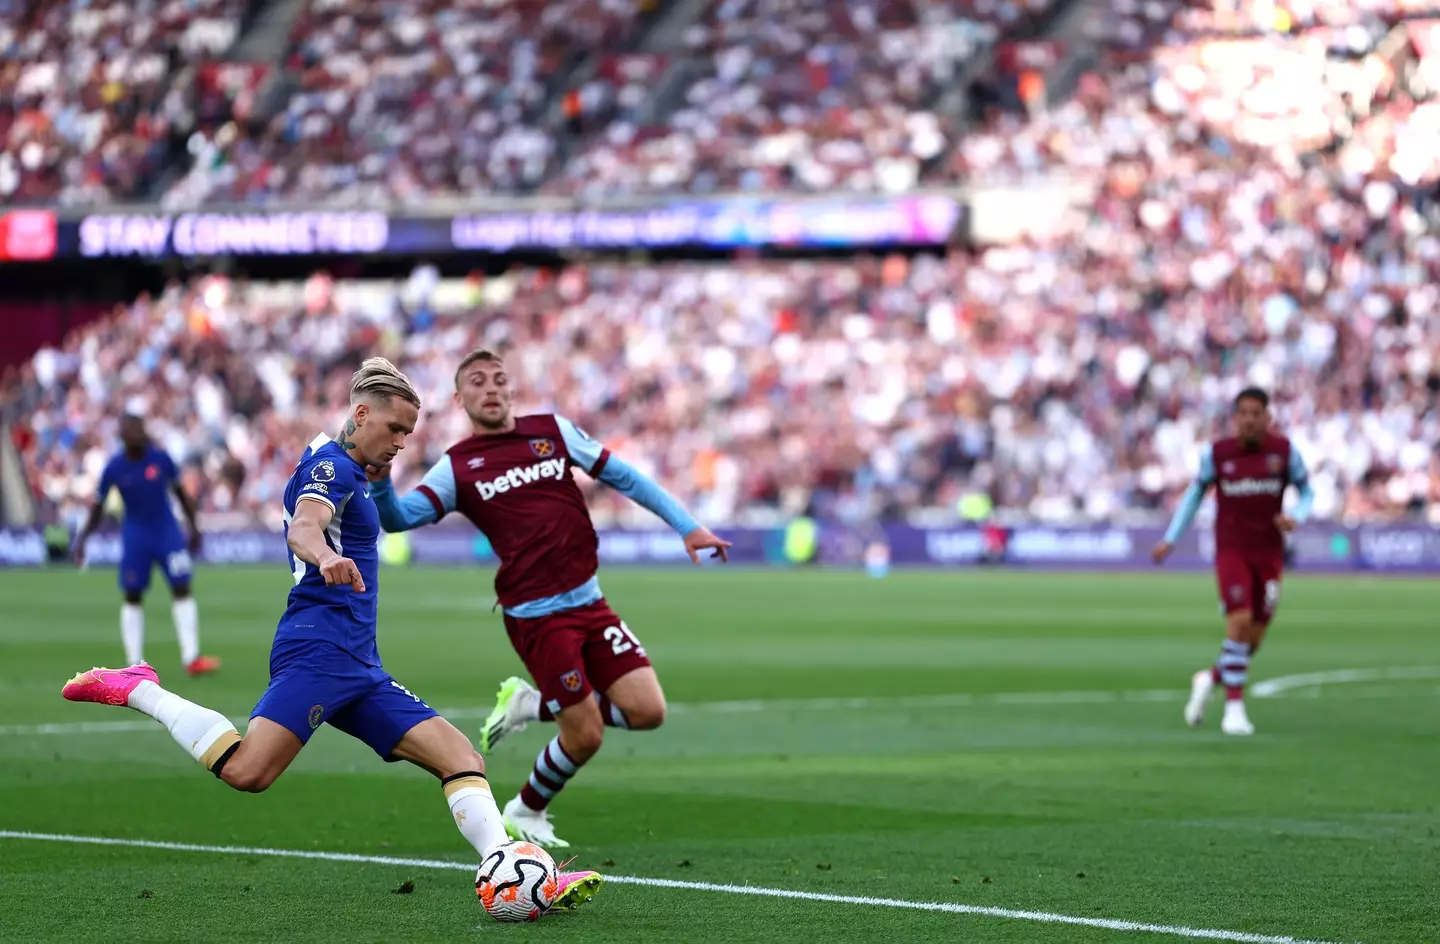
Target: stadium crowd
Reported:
point(855, 388)
point(88, 92)
point(1265, 212)
point(817, 96)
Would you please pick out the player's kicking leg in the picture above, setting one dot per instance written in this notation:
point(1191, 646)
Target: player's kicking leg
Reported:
point(250, 764)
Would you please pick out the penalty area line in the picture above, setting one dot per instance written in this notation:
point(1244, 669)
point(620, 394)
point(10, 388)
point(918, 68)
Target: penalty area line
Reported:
point(1040, 917)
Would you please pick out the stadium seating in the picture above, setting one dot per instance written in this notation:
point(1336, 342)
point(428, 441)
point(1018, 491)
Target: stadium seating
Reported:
point(784, 95)
point(851, 388)
point(87, 95)
point(1241, 230)
point(409, 99)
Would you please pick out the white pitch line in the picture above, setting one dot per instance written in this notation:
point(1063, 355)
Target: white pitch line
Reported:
point(1277, 686)
point(1041, 917)
point(1270, 688)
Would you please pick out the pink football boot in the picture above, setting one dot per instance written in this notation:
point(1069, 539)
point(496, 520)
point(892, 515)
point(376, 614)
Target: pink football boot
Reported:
point(576, 889)
point(108, 686)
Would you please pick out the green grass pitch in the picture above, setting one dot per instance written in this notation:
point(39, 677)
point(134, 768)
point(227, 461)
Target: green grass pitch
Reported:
point(1046, 774)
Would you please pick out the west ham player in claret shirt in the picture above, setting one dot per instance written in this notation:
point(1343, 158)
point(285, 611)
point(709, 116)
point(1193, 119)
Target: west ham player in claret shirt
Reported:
point(1250, 471)
point(512, 479)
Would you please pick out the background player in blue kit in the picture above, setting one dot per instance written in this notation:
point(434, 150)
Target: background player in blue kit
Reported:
point(146, 477)
point(324, 664)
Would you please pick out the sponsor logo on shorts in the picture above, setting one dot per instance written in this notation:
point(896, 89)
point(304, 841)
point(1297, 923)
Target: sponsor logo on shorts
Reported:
point(317, 712)
point(571, 680)
point(544, 448)
point(1237, 593)
point(323, 471)
point(1246, 488)
point(521, 475)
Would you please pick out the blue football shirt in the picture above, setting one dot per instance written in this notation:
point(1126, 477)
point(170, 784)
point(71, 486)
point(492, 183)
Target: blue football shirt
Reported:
point(145, 485)
point(338, 615)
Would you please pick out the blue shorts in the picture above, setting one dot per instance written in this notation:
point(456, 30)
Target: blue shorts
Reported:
point(139, 555)
point(320, 683)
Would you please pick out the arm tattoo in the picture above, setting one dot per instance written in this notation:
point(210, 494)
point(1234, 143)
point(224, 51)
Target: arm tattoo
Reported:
point(345, 441)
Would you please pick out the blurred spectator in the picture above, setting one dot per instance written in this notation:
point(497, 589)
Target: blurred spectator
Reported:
point(811, 95)
point(410, 98)
point(81, 92)
point(859, 389)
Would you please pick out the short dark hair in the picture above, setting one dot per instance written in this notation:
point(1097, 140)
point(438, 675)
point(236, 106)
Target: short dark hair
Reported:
point(1253, 393)
point(479, 354)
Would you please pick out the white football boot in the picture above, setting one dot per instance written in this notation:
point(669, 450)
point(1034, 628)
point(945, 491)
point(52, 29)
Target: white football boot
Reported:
point(521, 822)
point(516, 705)
point(1202, 684)
point(1236, 722)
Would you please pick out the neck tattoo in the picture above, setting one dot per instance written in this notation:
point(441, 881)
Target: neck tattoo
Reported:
point(346, 441)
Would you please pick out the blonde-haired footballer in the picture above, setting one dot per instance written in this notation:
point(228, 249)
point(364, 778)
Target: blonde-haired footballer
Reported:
point(324, 665)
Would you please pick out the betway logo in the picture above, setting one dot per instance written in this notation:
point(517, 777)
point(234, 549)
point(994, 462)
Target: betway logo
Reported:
point(1241, 488)
point(549, 469)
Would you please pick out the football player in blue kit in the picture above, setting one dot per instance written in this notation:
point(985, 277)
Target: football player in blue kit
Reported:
point(146, 477)
point(324, 664)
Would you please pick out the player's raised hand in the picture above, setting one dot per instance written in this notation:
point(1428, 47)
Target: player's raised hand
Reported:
point(377, 473)
point(701, 539)
point(1162, 551)
point(1285, 523)
point(342, 570)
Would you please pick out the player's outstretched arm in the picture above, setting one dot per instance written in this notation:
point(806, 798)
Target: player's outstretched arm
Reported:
point(427, 503)
point(640, 488)
point(307, 542)
point(648, 494)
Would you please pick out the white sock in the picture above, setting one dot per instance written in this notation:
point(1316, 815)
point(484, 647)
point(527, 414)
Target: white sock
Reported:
point(203, 732)
point(473, 806)
point(132, 631)
point(187, 628)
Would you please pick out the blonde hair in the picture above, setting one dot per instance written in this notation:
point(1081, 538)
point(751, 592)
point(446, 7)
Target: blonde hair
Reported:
point(377, 377)
point(479, 354)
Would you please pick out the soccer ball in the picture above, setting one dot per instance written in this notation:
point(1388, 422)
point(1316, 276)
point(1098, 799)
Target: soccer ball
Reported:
point(517, 881)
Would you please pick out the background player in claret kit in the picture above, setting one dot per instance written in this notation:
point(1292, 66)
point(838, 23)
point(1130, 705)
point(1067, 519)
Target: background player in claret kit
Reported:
point(146, 477)
point(512, 480)
point(1251, 471)
point(324, 664)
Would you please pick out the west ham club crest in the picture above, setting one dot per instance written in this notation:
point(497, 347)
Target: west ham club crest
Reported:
point(544, 448)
